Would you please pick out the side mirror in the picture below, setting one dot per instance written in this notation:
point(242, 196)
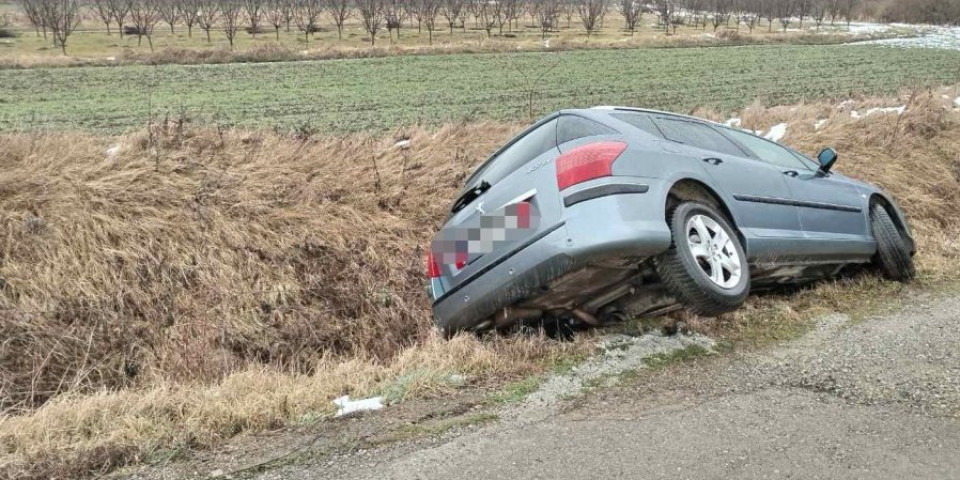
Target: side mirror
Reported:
point(827, 158)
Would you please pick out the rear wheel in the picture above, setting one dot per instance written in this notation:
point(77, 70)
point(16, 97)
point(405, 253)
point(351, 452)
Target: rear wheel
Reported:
point(893, 252)
point(705, 267)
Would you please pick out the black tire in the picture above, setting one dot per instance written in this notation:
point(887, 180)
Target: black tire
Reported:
point(684, 277)
point(893, 252)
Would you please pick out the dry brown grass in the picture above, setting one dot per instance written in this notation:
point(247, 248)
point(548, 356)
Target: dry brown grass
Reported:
point(189, 257)
point(196, 284)
point(475, 44)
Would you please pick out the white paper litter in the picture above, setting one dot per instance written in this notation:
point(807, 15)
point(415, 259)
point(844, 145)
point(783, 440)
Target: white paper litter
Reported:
point(776, 132)
point(345, 406)
point(957, 102)
point(855, 114)
point(113, 150)
point(402, 144)
point(819, 123)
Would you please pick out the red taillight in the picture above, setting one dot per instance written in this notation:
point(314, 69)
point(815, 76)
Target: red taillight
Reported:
point(587, 162)
point(433, 267)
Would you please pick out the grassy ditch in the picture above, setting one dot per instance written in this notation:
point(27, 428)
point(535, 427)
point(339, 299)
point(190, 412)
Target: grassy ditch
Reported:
point(175, 287)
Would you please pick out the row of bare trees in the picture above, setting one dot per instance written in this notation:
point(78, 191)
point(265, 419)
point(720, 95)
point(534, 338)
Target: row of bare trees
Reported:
point(750, 13)
point(141, 17)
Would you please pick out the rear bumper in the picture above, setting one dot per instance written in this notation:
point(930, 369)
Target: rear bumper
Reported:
point(615, 225)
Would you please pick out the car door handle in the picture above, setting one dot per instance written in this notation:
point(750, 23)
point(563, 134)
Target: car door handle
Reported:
point(791, 173)
point(713, 161)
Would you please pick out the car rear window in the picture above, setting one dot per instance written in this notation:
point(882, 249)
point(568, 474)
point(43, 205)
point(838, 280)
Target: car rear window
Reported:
point(696, 134)
point(572, 127)
point(521, 151)
point(639, 120)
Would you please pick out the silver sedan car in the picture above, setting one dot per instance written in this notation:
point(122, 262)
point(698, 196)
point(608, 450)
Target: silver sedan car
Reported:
point(590, 216)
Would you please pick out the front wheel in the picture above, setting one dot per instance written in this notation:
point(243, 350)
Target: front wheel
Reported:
point(705, 267)
point(893, 252)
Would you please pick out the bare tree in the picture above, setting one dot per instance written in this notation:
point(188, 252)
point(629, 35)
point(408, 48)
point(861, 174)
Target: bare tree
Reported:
point(372, 14)
point(274, 14)
point(632, 12)
point(188, 12)
point(170, 12)
point(452, 10)
point(207, 13)
point(834, 9)
point(818, 11)
point(31, 8)
point(512, 9)
point(591, 14)
point(144, 14)
point(696, 9)
point(231, 11)
point(340, 11)
point(490, 14)
point(429, 10)
point(61, 17)
point(255, 12)
point(770, 13)
point(393, 11)
point(289, 11)
point(120, 10)
point(665, 10)
point(102, 9)
point(307, 14)
point(751, 11)
point(802, 9)
point(721, 12)
point(784, 11)
point(846, 10)
point(547, 15)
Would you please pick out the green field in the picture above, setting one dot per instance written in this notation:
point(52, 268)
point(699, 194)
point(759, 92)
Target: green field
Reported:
point(383, 93)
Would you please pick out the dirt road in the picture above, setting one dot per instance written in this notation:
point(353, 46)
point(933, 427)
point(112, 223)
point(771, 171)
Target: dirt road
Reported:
point(874, 399)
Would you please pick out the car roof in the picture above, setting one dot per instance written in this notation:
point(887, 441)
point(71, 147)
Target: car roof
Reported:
point(609, 108)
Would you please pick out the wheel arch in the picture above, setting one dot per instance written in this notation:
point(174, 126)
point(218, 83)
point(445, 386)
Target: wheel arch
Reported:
point(897, 215)
point(692, 189)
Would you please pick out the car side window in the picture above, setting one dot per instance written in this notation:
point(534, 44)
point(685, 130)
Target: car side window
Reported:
point(767, 151)
point(521, 151)
point(696, 134)
point(639, 120)
point(573, 127)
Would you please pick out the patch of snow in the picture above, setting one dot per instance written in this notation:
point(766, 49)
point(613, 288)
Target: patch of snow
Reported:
point(113, 150)
point(867, 28)
point(733, 122)
point(957, 102)
point(776, 132)
point(819, 123)
point(345, 406)
point(897, 110)
point(945, 38)
point(403, 144)
point(945, 96)
point(855, 114)
point(546, 43)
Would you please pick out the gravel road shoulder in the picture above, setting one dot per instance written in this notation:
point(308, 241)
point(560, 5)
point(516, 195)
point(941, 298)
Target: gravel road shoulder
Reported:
point(873, 399)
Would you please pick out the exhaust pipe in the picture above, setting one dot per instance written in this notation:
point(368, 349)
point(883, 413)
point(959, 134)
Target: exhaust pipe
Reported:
point(510, 315)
